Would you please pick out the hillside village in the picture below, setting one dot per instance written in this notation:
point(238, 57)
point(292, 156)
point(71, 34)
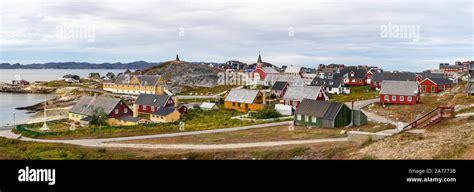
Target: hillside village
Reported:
point(355, 101)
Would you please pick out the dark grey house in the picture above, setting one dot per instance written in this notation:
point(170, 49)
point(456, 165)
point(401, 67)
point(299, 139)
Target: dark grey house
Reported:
point(326, 114)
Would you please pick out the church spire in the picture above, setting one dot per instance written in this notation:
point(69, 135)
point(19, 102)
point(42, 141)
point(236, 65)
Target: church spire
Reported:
point(177, 57)
point(259, 60)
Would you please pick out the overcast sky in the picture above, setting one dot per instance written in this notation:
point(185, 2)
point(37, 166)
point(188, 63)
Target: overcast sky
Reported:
point(301, 33)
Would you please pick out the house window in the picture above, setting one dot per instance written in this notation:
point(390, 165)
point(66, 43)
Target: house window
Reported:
point(143, 107)
point(152, 108)
point(386, 97)
point(306, 118)
point(313, 119)
point(116, 111)
point(409, 98)
point(402, 98)
point(298, 117)
point(432, 89)
point(424, 88)
point(394, 98)
point(238, 104)
point(125, 110)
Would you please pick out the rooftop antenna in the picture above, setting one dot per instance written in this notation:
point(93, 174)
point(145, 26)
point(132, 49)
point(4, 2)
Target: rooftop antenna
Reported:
point(45, 126)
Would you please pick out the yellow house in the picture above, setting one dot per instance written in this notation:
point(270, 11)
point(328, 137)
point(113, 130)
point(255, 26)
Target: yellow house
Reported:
point(164, 115)
point(117, 112)
point(136, 84)
point(244, 100)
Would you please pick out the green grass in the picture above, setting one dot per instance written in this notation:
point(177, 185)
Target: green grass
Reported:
point(208, 90)
point(195, 120)
point(15, 149)
point(357, 93)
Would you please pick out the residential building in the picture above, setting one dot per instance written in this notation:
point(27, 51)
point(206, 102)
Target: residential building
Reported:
point(400, 92)
point(378, 78)
point(165, 115)
point(244, 100)
point(150, 103)
point(87, 106)
point(435, 85)
point(208, 106)
point(295, 94)
point(294, 70)
point(331, 86)
point(353, 76)
point(279, 88)
point(71, 78)
point(284, 109)
point(136, 84)
point(327, 114)
point(94, 76)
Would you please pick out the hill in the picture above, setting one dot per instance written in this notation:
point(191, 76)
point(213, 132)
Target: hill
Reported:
point(182, 74)
point(79, 65)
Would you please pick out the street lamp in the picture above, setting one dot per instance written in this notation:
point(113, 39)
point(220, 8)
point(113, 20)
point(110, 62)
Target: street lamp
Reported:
point(414, 108)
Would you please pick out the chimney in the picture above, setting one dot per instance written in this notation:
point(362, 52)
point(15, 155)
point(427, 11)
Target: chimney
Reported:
point(135, 110)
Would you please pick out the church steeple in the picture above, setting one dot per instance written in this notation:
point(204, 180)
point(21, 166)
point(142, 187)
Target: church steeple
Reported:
point(259, 60)
point(177, 57)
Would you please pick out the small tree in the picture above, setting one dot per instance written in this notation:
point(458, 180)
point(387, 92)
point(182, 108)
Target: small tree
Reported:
point(98, 117)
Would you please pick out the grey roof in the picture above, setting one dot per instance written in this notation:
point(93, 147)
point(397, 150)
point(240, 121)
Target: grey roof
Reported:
point(279, 85)
point(441, 81)
point(302, 92)
point(241, 95)
point(335, 83)
point(428, 74)
point(321, 109)
point(163, 111)
point(290, 78)
point(129, 118)
point(146, 80)
point(393, 76)
point(269, 70)
point(358, 72)
point(152, 100)
point(88, 104)
point(399, 87)
point(292, 69)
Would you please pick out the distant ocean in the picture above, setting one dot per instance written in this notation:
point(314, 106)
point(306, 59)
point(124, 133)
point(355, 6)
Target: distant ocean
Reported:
point(7, 75)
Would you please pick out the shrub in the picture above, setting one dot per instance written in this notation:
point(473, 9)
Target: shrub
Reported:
point(266, 113)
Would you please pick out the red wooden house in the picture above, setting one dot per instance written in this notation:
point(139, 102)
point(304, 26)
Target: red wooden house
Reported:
point(353, 76)
point(400, 92)
point(435, 85)
point(279, 88)
point(149, 103)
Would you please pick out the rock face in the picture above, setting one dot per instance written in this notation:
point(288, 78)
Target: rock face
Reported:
point(181, 74)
